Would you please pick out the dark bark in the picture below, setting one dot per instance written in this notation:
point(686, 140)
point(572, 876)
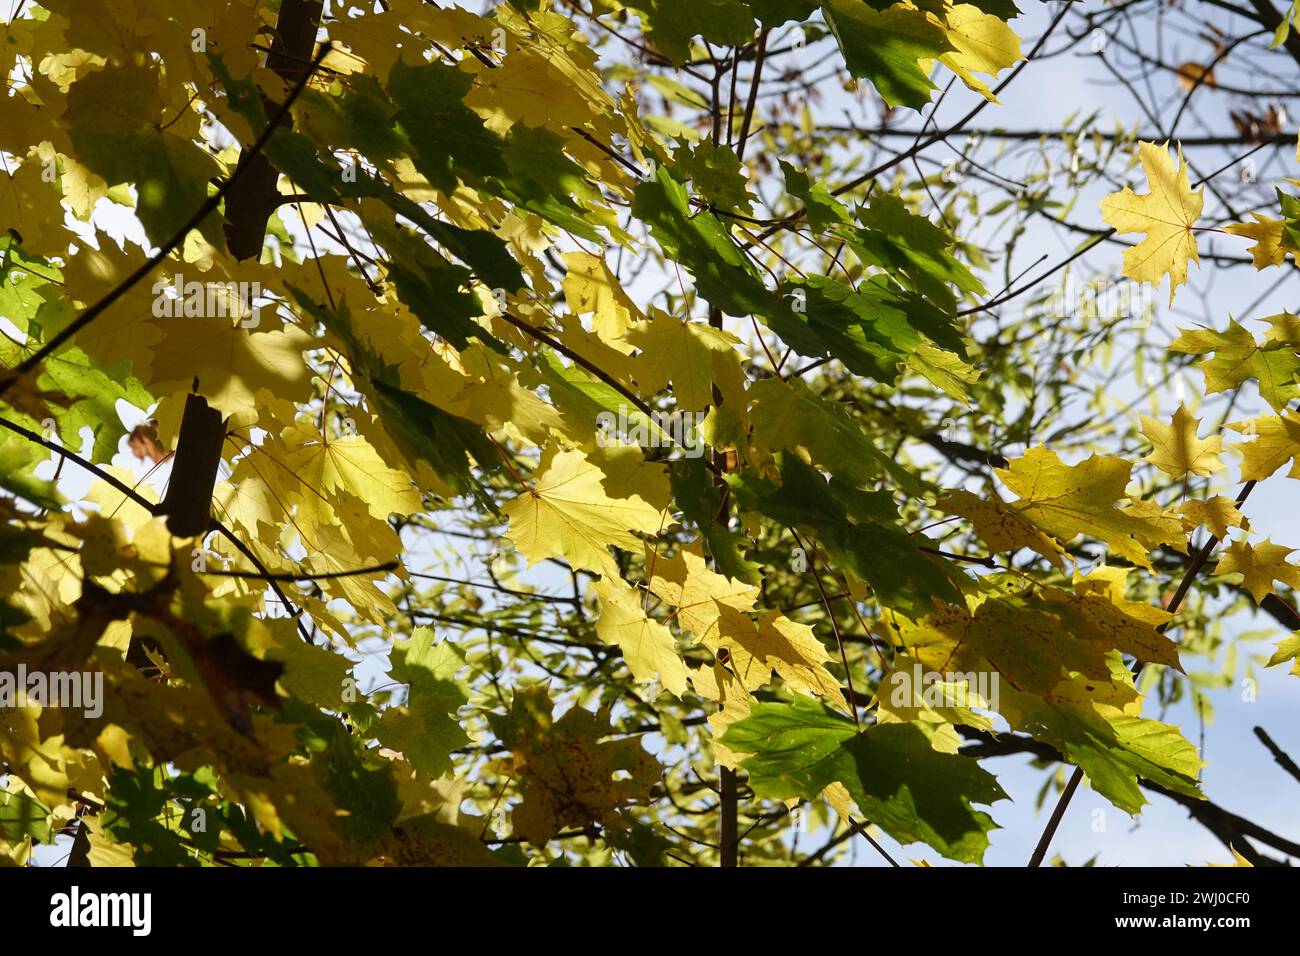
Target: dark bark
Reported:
point(249, 207)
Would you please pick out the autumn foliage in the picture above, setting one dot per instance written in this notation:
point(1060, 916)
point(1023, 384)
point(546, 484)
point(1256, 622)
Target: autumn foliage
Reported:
point(509, 437)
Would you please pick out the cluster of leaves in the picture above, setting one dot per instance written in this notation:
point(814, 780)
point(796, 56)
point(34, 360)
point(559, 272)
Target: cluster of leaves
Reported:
point(444, 321)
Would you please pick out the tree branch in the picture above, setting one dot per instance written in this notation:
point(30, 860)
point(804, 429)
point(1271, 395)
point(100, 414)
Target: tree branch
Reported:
point(1224, 824)
point(248, 210)
point(1281, 756)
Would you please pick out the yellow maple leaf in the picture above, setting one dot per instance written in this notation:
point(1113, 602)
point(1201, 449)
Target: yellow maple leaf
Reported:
point(1001, 528)
point(983, 44)
point(1276, 441)
point(231, 363)
point(686, 582)
point(529, 87)
point(1177, 450)
point(716, 683)
point(1067, 500)
point(498, 399)
point(776, 643)
point(938, 704)
point(1237, 859)
point(648, 646)
point(31, 212)
point(93, 273)
point(684, 353)
point(351, 464)
point(1167, 214)
point(1217, 513)
point(331, 553)
point(1267, 233)
point(1288, 649)
point(590, 288)
point(568, 514)
point(1040, 640)
point(1259, 566)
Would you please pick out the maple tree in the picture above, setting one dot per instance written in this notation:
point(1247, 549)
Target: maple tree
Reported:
point(556, 413)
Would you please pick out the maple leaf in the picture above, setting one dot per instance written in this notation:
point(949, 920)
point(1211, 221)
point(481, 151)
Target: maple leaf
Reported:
point(1237, 859)
point(18, 462)
point(697, 593)
point(113, 120)
point(888, 46)
point(231, 363)
point(566, 773)
point(1001, 528)
point(31, 212)
point(789, 415)
point(1259, 566)
point(983, 42)
point(350, 464)
point(648, 646)
point(1275, 441)
point(717, 174)
point(1238, 356)
point(1035, 639)
point(1177, 450)
point(590, 288)
point(898, 780)
point(568, 514)
point(719, 684)
point(1217, 513)
point(1288, 649)
point(683, 353)
point(1113, 748)
point(425, 729)
point(774, 643)
point(1268, 249)
point(673, 23)
point(1167, 214)
point(1065, 501)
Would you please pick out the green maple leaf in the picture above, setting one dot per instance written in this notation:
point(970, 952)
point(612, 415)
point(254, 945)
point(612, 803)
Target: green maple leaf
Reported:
point(700, 498)
point(899, 781)
point(449, 138)
point(115, 120)
point(672, 23)
point(790, 415)
point(426, 730)
point(716, 174)
point(1238, 357)
point(1114, 749)
point(18, 461)
point(78, 392)
point(886, 44)
point(698, 241)
point(905, 244)
point(870, 544)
